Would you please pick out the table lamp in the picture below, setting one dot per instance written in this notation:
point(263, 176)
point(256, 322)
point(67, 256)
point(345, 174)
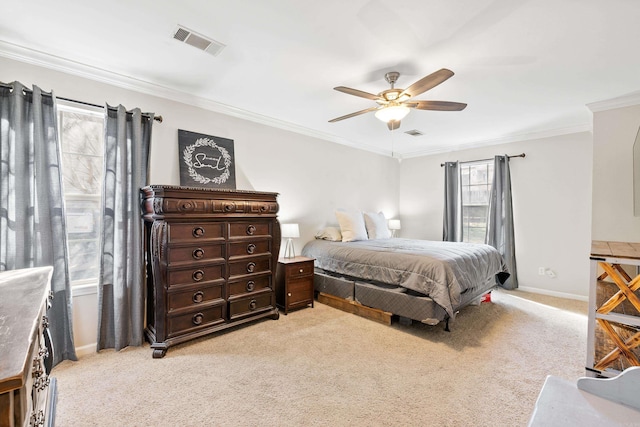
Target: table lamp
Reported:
point(394, 224)
point(290, 232)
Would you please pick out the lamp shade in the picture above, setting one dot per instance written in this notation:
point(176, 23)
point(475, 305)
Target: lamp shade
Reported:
point(392, 112)
point(290, 231)
point(394, 224)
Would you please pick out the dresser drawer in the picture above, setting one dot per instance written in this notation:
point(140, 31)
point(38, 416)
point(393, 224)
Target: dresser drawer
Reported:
point(194, 232)
point(195, 253)
point(249, 248)
point(195, 320)
point(241, 307)
point(193, 296)
point(299, 269)
point(249, 285)
point(195, 275)
point(249, 266)
point(248, 229)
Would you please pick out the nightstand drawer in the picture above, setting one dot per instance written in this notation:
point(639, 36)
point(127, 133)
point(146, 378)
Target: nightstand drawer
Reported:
point(299, 269)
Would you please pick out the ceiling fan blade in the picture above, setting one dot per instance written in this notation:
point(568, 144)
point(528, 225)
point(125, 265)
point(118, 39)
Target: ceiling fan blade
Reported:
point(428, 82)
point(393, 124)
point(436, 105)
point(357, 92)
point(357, 113)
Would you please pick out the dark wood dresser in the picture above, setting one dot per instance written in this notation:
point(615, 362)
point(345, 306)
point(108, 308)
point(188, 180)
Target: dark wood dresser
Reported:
point(211, 257)
point(27, 393)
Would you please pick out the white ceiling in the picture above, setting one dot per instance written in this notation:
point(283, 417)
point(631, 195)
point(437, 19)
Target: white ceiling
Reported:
point(525, 68)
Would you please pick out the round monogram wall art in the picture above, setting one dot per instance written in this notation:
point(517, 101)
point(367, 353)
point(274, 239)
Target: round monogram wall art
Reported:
point(197, 160)
point(206, 161)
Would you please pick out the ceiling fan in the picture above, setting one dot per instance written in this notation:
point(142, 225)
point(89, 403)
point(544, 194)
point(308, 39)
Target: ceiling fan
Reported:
point(394, 104)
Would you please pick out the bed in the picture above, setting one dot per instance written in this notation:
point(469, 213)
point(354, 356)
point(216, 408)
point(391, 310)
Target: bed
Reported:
point(422, 280)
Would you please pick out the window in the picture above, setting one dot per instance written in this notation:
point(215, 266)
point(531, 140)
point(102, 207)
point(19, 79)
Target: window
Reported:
point(82, 140)
point(477, 178)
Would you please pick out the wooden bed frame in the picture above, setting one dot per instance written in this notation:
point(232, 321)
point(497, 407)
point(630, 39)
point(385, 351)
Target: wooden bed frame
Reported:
point(381, 302)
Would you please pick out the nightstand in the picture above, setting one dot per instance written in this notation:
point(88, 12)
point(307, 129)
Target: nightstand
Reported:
point(294, 283)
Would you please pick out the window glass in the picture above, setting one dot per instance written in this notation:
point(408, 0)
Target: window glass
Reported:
point(82, 141)
point(476, 189)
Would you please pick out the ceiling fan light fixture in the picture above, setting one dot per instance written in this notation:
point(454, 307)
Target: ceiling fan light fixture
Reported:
point(392, 113)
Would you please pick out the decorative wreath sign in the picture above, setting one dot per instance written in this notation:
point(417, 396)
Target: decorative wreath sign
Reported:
point(206, 161)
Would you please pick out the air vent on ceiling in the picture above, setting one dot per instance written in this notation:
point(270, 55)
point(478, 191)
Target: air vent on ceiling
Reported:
point(414, 132)
point(194, 39)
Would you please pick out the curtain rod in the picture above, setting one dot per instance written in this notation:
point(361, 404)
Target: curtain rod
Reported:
point(156, 118)
point(484, 160)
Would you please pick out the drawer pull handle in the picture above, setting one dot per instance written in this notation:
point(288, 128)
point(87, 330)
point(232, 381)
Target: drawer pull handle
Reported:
point(251, 248)
point(198, 297)
point(197, 319)
point(198, 253)
point(251, 230)
point(198, 232)
point(197, 275)
point(252, 305)
point(289, 294)
point(185, 205)
point(250, 267)
point(228, 207)
point(264, 208)
point(301, 270)
point(251, 285)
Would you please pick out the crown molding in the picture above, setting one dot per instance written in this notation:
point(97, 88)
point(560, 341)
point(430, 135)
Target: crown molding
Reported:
point(586, 127)
point(57, 63)
point(627, 100)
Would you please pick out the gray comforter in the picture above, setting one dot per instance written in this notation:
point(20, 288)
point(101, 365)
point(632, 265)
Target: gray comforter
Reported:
point(440, 270)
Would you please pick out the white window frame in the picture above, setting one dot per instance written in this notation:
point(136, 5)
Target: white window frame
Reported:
point(82, 286)
point(489, 183)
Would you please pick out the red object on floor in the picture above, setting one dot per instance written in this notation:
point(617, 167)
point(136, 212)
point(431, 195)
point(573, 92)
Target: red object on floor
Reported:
point(486, 297)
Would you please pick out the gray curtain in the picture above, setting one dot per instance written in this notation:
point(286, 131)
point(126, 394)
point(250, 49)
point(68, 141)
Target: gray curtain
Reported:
point(121, 285)
point(32, 218)
point(452, 224)
point(500, 233)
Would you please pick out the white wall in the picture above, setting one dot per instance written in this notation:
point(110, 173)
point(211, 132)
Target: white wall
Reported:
point(312, 176)
point(614, 133)
point(551, 202)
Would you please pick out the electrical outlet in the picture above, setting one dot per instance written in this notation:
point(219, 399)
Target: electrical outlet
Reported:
point(541, 271)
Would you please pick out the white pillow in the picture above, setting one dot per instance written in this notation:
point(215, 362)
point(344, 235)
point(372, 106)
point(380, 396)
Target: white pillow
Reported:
point(351, 226)
point(376, 225)
point(329, 233)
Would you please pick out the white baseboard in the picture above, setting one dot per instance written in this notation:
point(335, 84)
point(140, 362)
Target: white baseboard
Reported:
point(553, 293)
point(86, 349)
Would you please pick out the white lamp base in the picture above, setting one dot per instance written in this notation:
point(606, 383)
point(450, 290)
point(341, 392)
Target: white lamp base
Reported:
point(289, 250)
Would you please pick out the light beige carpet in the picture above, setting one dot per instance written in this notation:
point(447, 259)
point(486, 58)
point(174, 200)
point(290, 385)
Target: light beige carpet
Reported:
point(324, 367)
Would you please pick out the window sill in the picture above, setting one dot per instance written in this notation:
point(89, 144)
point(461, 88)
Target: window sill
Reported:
point(85, 289)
